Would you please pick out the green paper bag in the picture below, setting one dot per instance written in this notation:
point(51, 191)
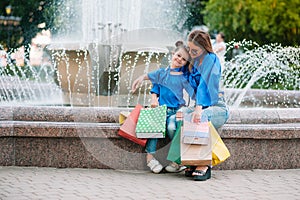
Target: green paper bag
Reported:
point(174, 151)
point(152, 123)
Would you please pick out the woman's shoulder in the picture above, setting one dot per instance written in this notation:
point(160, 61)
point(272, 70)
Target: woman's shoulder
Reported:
point(211, 56)
point(213, 60)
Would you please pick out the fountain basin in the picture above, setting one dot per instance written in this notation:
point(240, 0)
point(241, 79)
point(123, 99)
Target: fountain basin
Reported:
point(264, 98)
point(101, 73)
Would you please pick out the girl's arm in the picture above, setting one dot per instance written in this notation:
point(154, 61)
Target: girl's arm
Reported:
point(137, 82)
point(153, 76)
point(155, 92)
point(154, 100)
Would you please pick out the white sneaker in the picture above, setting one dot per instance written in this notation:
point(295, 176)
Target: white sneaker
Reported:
point(155, 166)
point(174, 168)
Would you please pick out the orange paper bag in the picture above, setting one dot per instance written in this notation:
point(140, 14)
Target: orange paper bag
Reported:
point(127, 130)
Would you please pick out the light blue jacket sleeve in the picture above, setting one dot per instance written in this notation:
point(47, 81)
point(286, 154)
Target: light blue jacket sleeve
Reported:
point(208, 88)
point(188, 88)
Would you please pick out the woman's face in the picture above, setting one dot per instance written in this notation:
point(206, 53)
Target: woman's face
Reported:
point(180, 58)
point(219, 38)
point(194, 50)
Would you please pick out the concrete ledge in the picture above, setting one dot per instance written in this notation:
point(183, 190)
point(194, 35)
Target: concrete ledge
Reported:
point(110, 115)
point(87, 137)
point(261, 131)
point(109, 130)
point(97, 145)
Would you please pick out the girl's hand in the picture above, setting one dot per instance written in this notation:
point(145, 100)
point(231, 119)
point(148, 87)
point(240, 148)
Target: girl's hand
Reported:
point(136, 83)
point(154, 100)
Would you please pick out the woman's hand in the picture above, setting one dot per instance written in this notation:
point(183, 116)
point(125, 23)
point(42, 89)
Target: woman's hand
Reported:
point(196, 115)
point(137, 82)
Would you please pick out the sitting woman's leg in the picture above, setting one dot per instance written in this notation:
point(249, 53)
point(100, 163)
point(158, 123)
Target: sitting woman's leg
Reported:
point(202, 173)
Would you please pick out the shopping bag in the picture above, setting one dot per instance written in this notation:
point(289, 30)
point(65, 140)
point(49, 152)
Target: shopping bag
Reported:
point(127, 129)
point(195, 155)
point(219, 150)
point(174, 150)
point(152, 122)
point(123, 116)
point(195, 133)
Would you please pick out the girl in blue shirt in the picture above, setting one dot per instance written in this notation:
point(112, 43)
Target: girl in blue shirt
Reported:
point(204, 74)
point(168, 85)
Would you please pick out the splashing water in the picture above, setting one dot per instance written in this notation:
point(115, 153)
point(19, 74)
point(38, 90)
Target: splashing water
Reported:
point(270, 68)
point(105, 45)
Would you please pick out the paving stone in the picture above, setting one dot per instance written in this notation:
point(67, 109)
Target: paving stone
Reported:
point(51, 183)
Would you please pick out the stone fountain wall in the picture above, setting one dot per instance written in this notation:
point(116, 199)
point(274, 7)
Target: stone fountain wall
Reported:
point(87, 138)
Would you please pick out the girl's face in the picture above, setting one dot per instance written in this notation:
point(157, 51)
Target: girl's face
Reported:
point(194, 50)
point(180, 58)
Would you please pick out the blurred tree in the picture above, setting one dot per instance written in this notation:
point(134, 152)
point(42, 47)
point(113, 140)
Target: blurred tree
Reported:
point(278, 20)
point(267, 21)
point(36, 15)
point(195, 17)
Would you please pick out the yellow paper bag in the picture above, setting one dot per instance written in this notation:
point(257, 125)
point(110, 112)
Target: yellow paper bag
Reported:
point(122, 116)
point(219, 150)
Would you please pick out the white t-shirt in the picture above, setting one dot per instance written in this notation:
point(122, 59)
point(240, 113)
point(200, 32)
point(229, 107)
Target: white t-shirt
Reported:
point(220, 49)
point(2, 58)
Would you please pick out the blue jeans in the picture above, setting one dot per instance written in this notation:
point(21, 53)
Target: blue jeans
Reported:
point(171, 128)
point(217, 114)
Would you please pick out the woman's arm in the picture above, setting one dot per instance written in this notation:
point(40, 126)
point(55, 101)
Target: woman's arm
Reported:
point(207, 90)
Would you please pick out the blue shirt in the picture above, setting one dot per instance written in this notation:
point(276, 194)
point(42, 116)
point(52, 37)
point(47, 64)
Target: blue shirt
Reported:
point(205, 80)
point(169, 87)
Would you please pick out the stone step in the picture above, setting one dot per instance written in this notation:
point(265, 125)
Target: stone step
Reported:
point(110, 115)
point(110, 130)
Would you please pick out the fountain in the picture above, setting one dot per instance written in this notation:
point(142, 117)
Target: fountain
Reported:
point(266, 76)
point(116, 45)
point(71, 120)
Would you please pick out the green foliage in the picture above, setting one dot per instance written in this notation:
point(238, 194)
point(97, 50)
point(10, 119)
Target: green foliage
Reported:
point(195, 18)
point(267, 21)
point(37, 73)
point(277, 20)
point(32, 13)
point(13, 70)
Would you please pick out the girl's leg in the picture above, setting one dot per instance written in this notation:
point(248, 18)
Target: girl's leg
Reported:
point(171, 126)
point(152, 163)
